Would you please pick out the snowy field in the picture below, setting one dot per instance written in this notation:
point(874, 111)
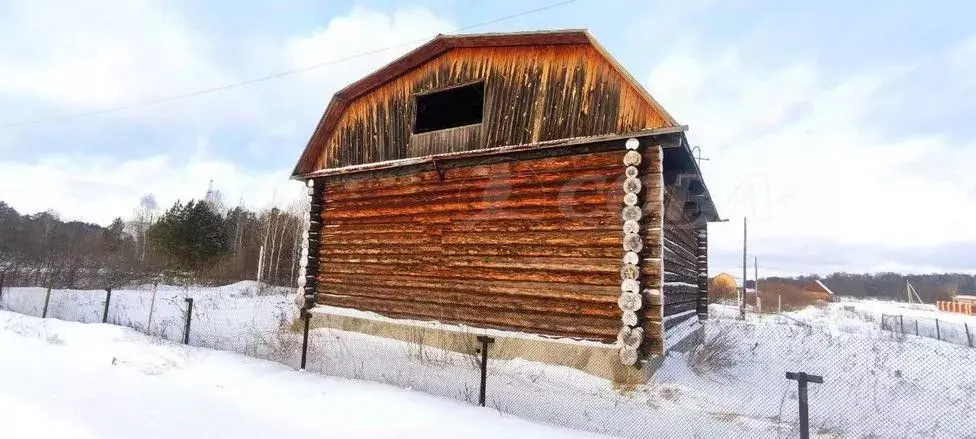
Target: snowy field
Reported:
point(68, 380)
point(877, 384)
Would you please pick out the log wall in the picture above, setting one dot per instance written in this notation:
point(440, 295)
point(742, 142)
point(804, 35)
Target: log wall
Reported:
point(532, 94)
point(652, 268)
point(531, 245)
point(681, 264)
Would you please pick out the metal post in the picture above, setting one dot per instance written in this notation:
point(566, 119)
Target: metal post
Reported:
point(152, 304)
point(901, 321)
point(108, 299)
point(2, 275)
point(916, 326)
point(969, 338)
point(802, 379)
point(47, 300)
point(938, 333)
point(307, 315)
point(485, 341)
point(189, 316)
point(742, 300)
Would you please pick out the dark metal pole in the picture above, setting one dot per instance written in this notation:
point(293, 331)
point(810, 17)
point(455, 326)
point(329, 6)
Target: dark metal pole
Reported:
point(307, 316)
point(47, 300)
point(742, 300)
point(2, 275)
point(901, 321)
point(189, 316)
point(938, 333)
point(108, 299)
point(916, 326)
point(485, 341)
point(802, 379)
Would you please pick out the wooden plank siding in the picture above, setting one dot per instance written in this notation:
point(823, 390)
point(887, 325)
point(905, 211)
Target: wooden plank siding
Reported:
point(531, 246)
point(532, 94)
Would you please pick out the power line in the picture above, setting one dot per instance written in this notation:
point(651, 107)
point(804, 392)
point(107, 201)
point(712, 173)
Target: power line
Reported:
point(276, 75)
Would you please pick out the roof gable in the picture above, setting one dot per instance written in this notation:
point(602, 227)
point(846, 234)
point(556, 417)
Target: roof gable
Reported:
point(441, 45)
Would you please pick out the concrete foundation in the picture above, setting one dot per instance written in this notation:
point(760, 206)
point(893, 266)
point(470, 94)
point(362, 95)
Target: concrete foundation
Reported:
point(596, 359)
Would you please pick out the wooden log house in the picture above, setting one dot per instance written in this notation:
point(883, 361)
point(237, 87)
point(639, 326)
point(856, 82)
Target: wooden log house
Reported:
point(522, 182)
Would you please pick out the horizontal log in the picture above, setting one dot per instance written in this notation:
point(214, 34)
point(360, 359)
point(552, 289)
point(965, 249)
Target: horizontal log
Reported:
point(561, 291)
point(524, 213)
point(472, 273)
point(577, 239)
point(561, 326)
point(674, 308)
point(466, 296)
point(531, 250)
point(589, 265)
point(568, 205)
point(508, 168)
point(672, 322)
point(567, 187)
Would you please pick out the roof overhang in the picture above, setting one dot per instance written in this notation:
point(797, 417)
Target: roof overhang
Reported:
point(680, 168)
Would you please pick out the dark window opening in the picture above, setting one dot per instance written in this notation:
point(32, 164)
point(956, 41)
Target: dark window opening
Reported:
point(454, 107)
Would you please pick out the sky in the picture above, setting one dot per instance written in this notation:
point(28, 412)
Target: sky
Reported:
point(842, 131)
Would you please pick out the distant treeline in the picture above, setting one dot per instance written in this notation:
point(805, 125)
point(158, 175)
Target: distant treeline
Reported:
point(198, 241)
point(930, 287)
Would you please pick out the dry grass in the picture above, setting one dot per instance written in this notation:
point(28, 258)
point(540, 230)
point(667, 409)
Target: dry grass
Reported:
point(716, 356)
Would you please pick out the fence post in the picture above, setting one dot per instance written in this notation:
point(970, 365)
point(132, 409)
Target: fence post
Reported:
point(801, 380)
point(916, 326)
point(938, 333)
point(189, 316)
point(485, 341)
point(969, 339)
point(307, 316)
point(152, 304)
point(901, 321)
point(108, 299)
point(2, 275)
point(47, 300)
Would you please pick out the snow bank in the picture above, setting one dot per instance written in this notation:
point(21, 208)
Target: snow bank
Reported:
point(877, 384)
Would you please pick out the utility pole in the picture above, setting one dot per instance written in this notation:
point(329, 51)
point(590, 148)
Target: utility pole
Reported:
point(742, 299)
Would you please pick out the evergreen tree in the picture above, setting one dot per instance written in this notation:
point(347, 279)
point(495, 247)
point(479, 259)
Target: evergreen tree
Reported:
point(191, 236)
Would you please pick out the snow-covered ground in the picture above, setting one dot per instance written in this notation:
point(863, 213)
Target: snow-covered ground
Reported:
point(69, 380)
point(877, 384)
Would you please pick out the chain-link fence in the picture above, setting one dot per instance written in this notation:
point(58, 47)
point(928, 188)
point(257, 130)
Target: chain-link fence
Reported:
point(730, 382)
point(958, 332)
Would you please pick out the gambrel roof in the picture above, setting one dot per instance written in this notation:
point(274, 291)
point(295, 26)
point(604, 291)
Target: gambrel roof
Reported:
point(439, 46)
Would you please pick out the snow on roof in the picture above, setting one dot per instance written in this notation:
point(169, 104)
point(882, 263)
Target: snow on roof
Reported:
point(827, 290)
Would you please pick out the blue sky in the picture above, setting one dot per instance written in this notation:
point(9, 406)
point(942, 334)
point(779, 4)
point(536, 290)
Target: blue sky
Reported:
point(844, 131)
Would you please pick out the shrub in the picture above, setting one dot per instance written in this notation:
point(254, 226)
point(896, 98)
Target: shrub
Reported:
point(717, 355)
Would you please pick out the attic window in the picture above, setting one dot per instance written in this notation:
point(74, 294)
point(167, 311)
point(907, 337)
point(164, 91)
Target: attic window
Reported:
point(450, 108)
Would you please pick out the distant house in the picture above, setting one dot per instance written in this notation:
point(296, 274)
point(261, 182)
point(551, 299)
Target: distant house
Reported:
point(965, 299)
point(818, 290)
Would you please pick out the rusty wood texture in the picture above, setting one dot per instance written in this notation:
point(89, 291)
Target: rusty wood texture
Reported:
point(532, 94)
point(531, 245)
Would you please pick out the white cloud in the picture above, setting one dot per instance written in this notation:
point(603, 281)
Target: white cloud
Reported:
point(92, 55)
point(793, 151)
point(87, 55)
